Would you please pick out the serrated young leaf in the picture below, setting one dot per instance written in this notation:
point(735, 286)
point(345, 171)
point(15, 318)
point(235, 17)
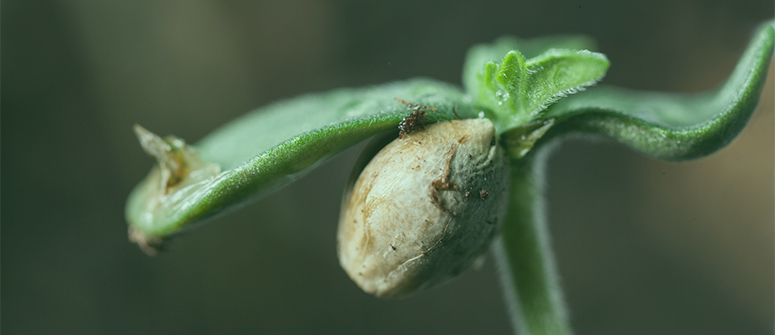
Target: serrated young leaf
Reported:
point(559, 73)
point(481, 54)
point(498, 84)
point(518, 91)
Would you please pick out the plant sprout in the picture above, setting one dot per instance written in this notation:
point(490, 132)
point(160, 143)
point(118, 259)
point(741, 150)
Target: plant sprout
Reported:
point(534, 92)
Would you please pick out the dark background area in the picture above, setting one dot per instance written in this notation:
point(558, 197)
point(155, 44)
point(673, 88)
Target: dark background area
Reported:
point(643, 246)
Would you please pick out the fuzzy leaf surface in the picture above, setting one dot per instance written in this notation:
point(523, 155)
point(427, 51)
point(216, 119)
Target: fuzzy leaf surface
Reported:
point(666, 125)
point(275, 145)
point(481, 54)
point(518, 90)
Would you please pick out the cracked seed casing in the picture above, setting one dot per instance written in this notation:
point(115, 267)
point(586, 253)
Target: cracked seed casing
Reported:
point(425, 208)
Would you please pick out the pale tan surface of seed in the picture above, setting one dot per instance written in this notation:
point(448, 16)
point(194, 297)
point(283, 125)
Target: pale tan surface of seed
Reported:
point(415, 216)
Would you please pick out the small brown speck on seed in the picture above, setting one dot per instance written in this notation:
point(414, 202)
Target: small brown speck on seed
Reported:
point(483, 194)
point(392, 247)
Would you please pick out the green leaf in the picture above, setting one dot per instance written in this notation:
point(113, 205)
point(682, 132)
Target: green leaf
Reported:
point(518, 91)
point(481, 54)
point(269, 148)
point(671, 126)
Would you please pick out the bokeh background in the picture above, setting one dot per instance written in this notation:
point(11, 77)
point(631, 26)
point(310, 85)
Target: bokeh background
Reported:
point(643, 246)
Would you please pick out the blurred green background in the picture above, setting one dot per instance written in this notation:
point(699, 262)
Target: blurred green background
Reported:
point(644, 247)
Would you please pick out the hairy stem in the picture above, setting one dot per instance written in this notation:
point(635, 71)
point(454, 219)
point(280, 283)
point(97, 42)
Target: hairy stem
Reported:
point(525, 260)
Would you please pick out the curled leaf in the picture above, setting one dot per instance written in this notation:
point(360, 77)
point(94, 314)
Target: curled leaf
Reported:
point(271, 147)
point(671, 126)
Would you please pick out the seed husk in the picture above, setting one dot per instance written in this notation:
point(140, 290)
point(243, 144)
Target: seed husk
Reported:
point(410, 222)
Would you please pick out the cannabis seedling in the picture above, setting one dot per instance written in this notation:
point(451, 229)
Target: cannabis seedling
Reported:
point(519, 96)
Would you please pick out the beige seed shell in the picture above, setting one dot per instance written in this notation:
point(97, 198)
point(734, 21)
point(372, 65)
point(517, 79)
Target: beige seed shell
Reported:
point(425, 208)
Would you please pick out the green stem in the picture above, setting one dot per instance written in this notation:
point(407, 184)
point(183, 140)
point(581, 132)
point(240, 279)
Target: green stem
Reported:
point(524, 257)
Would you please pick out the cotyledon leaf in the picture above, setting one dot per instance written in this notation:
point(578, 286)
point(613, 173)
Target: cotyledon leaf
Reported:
point(671, 126)
point(271, 147)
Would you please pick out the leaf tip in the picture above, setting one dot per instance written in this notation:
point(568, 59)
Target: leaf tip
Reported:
point(150, 245)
